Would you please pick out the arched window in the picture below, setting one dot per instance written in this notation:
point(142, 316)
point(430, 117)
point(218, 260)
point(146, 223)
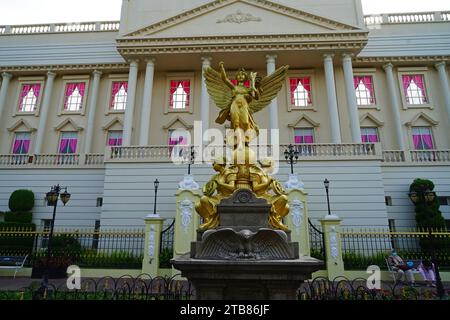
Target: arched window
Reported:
point(29, 95)
point(180, 94)
point(300, 92)
point(74, 96)
point(414, 88)
point(119, 95)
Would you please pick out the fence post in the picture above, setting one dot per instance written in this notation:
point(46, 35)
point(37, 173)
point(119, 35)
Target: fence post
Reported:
point(153, 228)
point(297, 220)
point(331, 226)
point(186, 223)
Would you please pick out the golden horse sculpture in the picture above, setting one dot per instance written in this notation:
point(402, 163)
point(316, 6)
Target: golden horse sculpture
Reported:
point(238, 103)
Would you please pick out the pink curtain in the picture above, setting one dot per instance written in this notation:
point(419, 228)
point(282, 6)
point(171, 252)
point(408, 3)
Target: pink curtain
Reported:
point(16, 147)
point(418, 80)
point(309, 139)
point(26, 88)
point(112, 142)
point(298, 139)
point(306, 83)
point(119, 142)
point(26, 146)
point(73, 145)
point(63, 145)
point(368, 83)
point(364, 138)
point(373, 138)
point(70, 88)
point(416, 141)
point(428, 141)
point(186, 84)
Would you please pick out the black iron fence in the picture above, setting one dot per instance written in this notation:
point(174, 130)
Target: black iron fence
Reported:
point(371, 247)
point(166, 244)
point(143, 287)
point(119, 249)
point(316, 241)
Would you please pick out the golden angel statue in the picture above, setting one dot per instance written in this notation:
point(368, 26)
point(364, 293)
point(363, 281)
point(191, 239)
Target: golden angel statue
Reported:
point(238, 102)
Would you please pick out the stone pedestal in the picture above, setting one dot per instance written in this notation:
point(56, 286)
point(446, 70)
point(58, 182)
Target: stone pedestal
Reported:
point(244, 259)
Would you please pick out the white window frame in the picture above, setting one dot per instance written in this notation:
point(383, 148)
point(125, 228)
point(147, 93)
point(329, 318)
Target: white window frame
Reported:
point(114, 78)
point(14, 140)
point(423, 71)
point(29, 80)
point(305, 128)
point(108, 133)
point(71, 79)
point(177, 77)
point(360, 72)
point(433, 137)
point(301, 74)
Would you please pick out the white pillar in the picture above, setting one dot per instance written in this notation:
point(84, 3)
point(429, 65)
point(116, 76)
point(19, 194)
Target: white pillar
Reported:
point(131, 97)
point(204, 100)
point(4, 91)
point(147, 102)
point(351, 98)
point(273, 108)
point(393, 97)
point(91, 111)
point(444, 83)
point(43, 113)
point(332, 100)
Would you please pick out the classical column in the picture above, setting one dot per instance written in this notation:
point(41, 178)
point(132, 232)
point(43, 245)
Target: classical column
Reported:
point(444, 83)
point(393, 97)
point(147, 102)
point(332, 100)
point(131, 97)
point(43, 113)
point(91, 111)
point(273, 108)
point(204, 100)
point(351, 98)
point(4, 91)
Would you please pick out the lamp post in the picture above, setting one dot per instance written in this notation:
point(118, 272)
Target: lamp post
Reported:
point(156, 184)
point(326, 183)
point(428, 197)
point(190, 157)
point(52, 200)
point(291, 155)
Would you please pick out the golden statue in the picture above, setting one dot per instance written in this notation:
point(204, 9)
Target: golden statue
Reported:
point(238, 103)
point(223, 184)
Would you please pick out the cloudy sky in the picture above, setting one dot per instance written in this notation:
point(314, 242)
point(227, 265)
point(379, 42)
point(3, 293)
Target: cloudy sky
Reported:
point(46, 11)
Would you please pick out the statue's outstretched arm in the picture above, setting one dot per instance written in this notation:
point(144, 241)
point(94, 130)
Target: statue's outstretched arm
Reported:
point(223, 74)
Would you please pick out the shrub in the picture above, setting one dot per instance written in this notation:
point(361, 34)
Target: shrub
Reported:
point(65, 245)
point(164, 258)
point(21, 200)
point(18, 217)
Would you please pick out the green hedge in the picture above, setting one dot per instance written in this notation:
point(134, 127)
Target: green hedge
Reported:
point(21, 200)
point(18, 217)
point(19, 242)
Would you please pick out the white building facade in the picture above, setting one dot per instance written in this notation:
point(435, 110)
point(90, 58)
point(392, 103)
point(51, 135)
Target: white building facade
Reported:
point(97, 107)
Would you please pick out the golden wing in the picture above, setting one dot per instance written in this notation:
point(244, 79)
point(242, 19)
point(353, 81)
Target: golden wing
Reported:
point(269, 88)
point(217, 89)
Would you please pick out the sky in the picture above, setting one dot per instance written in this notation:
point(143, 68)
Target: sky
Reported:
point(48, 11)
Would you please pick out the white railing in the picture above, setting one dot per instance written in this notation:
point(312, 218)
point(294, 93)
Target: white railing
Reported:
point(430, 155)
point(394, 156)
point(56, 159)
point(98, 26)
point(94, 159)
point(15, 159)
point(51, 160)
point(402, 18)
point(305, 151)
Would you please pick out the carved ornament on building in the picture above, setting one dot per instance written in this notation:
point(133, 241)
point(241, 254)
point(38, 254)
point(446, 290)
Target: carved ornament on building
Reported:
point(239, 17)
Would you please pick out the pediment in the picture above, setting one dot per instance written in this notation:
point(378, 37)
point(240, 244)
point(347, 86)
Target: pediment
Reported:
point(370, 120)
point(68, 125)
point(177, 119)
point(422, 119)
point(21, 126)
point(304, 121)
point(240, 17)
point(114, 124)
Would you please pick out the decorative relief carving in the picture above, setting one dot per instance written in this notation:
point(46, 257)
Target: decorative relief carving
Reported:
point(334, 243)
point(186, 207)
point(151, 243)
point(297, 209)
point(239, 17)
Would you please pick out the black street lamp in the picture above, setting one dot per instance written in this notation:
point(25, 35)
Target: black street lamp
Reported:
point(291, 155)
point(428, 197)
point(156, 184)
point(327, 187)
point(52, 200)
point(190, 157)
